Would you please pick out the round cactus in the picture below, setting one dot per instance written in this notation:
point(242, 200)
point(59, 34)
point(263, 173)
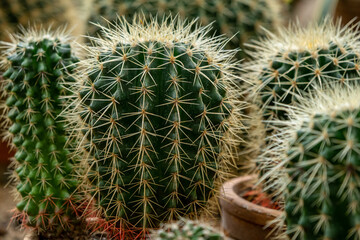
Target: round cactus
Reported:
point(159, 115)
point(291, 64)
point(187, 230)
point(37, 63)
point(240, 20)
point(319, 177)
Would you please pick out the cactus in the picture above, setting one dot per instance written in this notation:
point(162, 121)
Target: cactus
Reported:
point(37, 63)
point(240, 20)
point(187, 230)
point(319, 182)
point(41, 12)
point(289, 65)
point(159, 112)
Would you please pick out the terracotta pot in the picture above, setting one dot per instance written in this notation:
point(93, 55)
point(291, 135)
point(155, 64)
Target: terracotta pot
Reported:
point(241, 219)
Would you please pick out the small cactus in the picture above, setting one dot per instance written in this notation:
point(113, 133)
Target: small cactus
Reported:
point(187, 230)
point(240, 20)
point(37, 63)
point(159, 115)
point(318, 179)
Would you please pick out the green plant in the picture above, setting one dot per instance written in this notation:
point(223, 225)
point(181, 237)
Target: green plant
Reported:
point(37, 63)
point(159, 116)
point(240, 20)
point(318, 179)
point(187, 230)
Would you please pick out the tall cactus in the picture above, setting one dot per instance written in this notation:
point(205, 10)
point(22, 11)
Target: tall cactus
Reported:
point(240, 20)
point(37, 63)
point(158, 107)
point(319, 182)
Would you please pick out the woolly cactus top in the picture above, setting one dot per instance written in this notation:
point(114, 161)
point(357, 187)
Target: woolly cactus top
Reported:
point(159, 115)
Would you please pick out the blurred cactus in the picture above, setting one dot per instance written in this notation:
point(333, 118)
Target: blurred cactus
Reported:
point(42, 13)
point(37, 63)
point(187, 230)
point(240, 20)
point(159, 117)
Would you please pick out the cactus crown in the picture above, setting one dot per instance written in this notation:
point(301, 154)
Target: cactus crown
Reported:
point(318, 176)
point(158, 111)
point(37, 63)
point(187, 230)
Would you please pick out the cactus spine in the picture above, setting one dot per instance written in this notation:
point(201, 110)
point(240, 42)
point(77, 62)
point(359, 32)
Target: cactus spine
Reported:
point(320, 181)
point(37, 63)
point(187, 230)
point(158, 111)
point(229, 17)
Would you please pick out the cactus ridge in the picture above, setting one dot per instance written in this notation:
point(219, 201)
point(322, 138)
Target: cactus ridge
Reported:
point(240, 20)
point(37, 63)
point(158, 109)
point(319, 177)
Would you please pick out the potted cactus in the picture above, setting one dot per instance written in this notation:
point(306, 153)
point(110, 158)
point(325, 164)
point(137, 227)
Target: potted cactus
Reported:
point(37, 63)
point(156, 109)
point(319, 178)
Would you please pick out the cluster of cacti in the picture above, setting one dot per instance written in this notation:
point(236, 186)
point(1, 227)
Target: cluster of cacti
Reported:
point(159, 115)
point(187, 230)
point(241, 20)
point(41, 13)
point(319, 182)
point(37, 64)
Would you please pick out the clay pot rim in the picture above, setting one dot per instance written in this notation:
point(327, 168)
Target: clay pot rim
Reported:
point(231, 201)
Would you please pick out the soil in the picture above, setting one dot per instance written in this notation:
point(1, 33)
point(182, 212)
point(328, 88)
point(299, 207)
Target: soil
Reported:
point(260, 198)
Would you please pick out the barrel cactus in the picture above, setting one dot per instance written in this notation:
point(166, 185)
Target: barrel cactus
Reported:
point(240, 20)
point(37, 63)
point(159, 117)
point(187, 230)
point(41, 12)
point(319, 178)
point(287, 65)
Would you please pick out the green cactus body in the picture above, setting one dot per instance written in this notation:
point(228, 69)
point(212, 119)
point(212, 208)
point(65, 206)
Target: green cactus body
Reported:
point(40, 12)
point(187, 230)
point(37, 64)
point(325, 161)
point(240, 20)
point(158, 114)
point(319, 178)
